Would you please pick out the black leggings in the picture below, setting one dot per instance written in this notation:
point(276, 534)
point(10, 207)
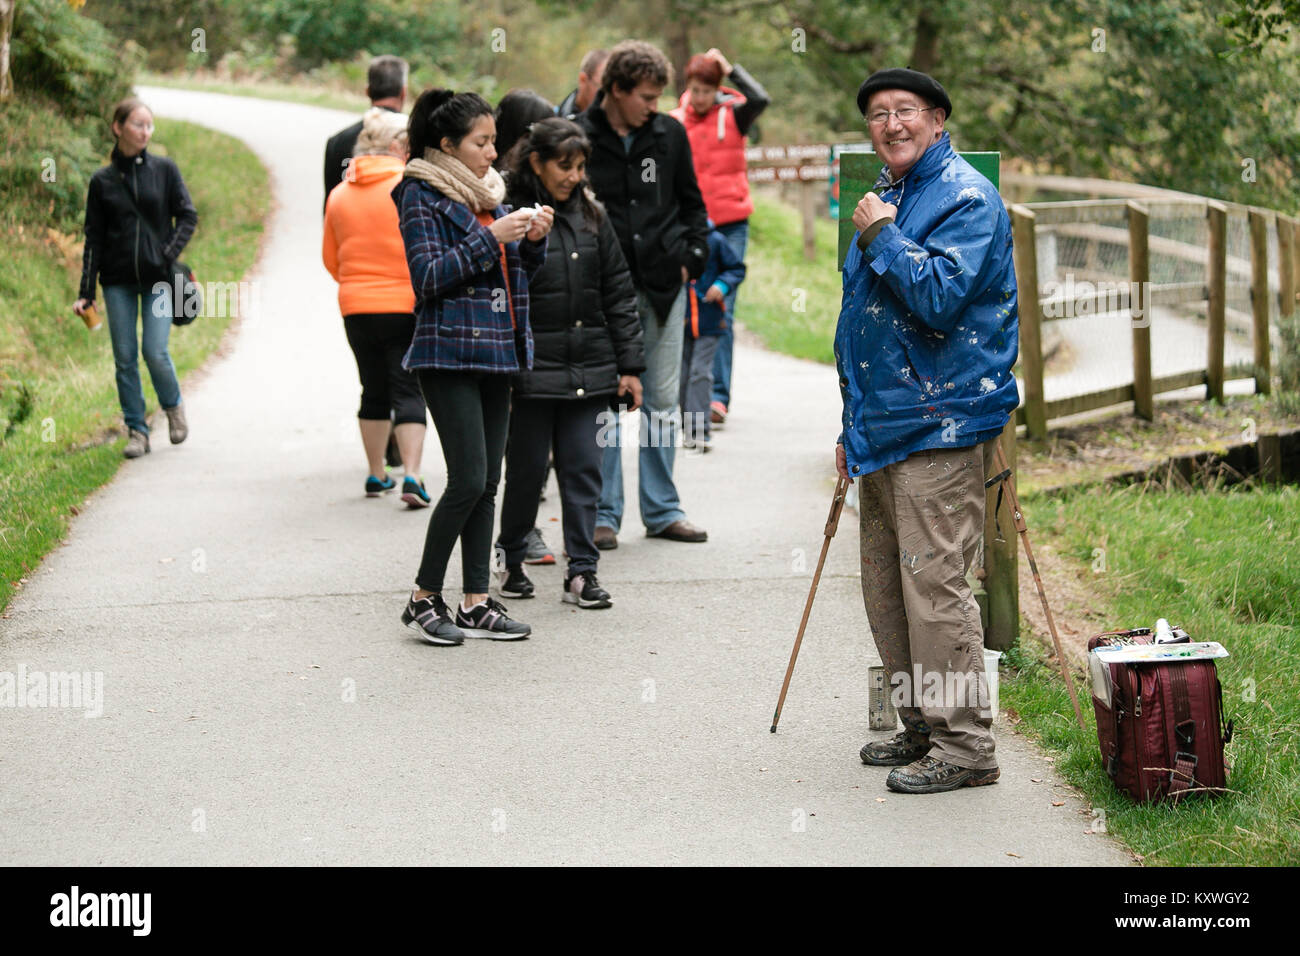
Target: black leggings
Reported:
point(571, 426)
point(379, 341)
point(471, 411)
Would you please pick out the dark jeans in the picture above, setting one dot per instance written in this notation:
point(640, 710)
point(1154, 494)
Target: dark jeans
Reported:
point(471, 411)
point(379, 342)
point(570, 427)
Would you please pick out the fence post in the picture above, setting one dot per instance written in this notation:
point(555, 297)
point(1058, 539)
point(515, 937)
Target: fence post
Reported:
point(1031, 320)
point(1139, 275)
point(1217, 274)
point(1259, 299)
point(1286, 265)
point(1001, 557)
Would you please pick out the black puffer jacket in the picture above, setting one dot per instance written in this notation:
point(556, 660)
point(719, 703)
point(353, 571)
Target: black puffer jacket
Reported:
point(582, 307)
point(119, 251)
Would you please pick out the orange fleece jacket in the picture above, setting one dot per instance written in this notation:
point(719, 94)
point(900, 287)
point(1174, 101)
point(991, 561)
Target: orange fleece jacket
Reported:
point(362, 246)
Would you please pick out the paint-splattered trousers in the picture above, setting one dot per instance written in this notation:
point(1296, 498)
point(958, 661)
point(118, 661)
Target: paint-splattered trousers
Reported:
point(921, 524)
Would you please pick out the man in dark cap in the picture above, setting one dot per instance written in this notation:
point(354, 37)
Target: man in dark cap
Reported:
point(926, 340)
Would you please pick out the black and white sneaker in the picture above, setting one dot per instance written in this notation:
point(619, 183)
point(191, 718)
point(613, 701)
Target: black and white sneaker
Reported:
point(515, 584)
point(489, 620)
point(583, 590)
point(432, 618)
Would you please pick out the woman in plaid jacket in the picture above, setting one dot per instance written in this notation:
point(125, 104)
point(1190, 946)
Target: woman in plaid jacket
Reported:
point(469, 260)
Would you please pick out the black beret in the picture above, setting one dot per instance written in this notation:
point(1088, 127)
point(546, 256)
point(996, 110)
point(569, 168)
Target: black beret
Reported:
point(900, 79)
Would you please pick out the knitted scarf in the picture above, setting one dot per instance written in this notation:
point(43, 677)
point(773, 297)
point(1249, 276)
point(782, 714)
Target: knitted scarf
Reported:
point(454, 180)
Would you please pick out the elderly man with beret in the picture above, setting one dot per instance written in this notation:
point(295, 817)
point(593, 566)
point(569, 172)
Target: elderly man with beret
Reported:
point(926, 341)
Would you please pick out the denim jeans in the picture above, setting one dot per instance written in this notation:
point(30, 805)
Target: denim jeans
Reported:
point(126, 303)
point(697, 383)
point(737, 235)
point(660, 419)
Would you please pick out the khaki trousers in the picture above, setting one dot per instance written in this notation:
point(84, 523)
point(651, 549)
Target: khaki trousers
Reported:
point(921, 523)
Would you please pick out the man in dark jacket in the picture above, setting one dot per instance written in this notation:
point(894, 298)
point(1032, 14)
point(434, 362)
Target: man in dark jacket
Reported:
point(926, 341)
point(386, 88)
point(590, 72)
point(641, 169)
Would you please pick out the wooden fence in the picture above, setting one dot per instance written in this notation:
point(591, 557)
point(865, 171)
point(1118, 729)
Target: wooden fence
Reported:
point(1087, 219)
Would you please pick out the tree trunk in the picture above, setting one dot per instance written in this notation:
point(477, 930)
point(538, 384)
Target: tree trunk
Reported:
point(6, 30)
point(679, 42)
point(925, 46)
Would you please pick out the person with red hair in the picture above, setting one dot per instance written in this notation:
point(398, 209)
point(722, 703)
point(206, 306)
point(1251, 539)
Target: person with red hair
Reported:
point(718, 119)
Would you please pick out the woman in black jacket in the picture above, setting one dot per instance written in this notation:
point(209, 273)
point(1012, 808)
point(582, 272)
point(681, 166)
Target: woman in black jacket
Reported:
point(138, 219)
point(588, 348)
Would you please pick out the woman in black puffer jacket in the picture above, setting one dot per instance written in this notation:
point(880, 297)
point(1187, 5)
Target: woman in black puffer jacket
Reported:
point(588, 348)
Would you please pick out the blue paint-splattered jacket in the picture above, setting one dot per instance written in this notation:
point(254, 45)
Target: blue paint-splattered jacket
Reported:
point(928, 327)
point(463, 317)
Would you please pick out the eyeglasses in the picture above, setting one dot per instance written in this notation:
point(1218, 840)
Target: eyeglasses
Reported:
point(905, 115)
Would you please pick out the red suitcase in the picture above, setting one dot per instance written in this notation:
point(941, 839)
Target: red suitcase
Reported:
point(1162, 734)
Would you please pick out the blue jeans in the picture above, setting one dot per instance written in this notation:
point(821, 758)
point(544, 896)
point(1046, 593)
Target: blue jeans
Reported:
point(126, 303)
point(660, 420)
point(737, 235)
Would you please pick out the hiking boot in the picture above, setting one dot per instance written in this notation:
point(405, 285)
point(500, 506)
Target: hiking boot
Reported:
point(929, 775)
point(897, 751)
point(583, 590)
point(681, 530)
point(431, 617)
point(137, 444)
point(177, 428)
point(488, 619)
point(538, 552)
point(515, 584)
point(605, 539)
point(413, 493)
point(379, 486)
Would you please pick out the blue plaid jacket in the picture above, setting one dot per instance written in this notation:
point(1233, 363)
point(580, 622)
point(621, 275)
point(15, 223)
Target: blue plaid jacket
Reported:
point(462, 315)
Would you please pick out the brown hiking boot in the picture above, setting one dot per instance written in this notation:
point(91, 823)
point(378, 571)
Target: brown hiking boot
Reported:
point(177, 428)
point(897, 751)
point(929, 775)
point(137, 444)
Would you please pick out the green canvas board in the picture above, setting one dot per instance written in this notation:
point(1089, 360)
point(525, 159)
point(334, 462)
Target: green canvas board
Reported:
point(859, 169)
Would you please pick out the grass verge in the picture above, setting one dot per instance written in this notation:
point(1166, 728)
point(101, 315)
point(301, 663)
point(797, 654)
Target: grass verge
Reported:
point(60, 423)
point(1225, 565)
point(790, 302)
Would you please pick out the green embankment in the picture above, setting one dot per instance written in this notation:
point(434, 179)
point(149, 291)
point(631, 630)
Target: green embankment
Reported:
point(1226, 566)
point(60, 423)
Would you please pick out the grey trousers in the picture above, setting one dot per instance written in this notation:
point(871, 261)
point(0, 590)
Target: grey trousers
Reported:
point(921, 523)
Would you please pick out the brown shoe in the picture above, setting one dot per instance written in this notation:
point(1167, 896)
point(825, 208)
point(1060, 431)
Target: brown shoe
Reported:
point(929, 775)
point(137, 444)
point(606, 539)
point(681, 530)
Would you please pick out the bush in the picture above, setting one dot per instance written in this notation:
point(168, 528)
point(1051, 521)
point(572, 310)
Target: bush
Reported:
point(68, 58)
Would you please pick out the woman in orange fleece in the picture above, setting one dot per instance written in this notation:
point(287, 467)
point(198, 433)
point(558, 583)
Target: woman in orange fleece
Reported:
point(363, 251)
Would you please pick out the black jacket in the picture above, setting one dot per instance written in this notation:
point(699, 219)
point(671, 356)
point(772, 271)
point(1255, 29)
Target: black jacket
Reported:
point(119, 250)
point(338, 153)
point(653, 199)
point(582, 308)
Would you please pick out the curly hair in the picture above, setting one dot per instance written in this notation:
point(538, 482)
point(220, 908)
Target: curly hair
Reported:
point(633, 62)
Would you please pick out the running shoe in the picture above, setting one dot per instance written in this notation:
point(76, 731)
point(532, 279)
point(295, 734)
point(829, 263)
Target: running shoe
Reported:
point(413, 493)
point(432, 618)
point(583, 590)
point(538, 552)
point(379, 486)
point(515, 584)
point(488, 619)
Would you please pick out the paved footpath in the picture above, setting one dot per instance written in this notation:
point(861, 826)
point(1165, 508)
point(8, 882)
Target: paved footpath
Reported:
point(262, 703)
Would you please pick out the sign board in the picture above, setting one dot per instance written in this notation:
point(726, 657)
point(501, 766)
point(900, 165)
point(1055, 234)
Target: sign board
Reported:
point(858, 170)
